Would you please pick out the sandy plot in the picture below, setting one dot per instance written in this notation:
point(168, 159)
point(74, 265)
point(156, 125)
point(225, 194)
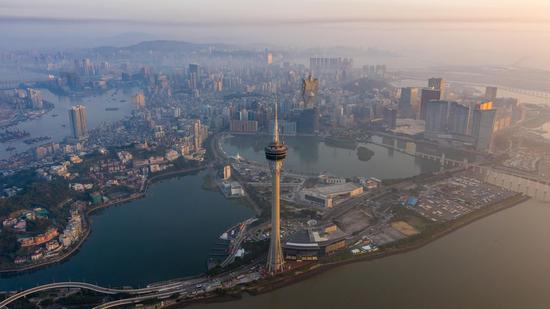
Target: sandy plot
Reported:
point(404, 228)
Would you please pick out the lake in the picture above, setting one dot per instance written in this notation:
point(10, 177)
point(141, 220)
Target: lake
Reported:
point(166, 235)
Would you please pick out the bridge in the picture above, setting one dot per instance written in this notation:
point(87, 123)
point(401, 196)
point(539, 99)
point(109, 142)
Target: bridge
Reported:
point(532, 186)
point(410, 149)
point(236, 244)
point(542, 94)
point(528, 92)
point(10, 84)
point(513, 180)
point(86, 286)
point(138, 299)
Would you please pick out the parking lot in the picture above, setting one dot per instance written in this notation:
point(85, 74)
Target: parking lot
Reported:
point(456, 196)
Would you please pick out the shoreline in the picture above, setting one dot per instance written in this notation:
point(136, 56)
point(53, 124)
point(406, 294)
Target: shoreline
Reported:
point(135, 196)
point(403, 246)
point(309, 270)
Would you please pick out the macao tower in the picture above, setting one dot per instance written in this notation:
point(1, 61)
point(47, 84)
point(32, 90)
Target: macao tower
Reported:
point(275, 153)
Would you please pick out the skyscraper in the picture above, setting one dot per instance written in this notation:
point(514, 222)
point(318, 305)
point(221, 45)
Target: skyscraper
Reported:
point(390, 117)
point(275, 153)
point(197, 134)
point(193, 72)
point(482, 125)
point(79, 121)
point(35, 98)
point(436, 116)
point(437, 84)
point(227, 172)
point(408, 103)
point(139, 99)
point(308, 121)
point(309, 90)
point(428, 94)
point(491, 93)
point(459, 118)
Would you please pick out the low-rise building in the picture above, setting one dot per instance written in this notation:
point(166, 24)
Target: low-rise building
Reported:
point(327, 195)
point(310, 245)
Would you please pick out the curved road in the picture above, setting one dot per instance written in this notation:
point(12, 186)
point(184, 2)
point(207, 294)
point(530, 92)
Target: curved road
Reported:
point(138, 299)
point(86, 286)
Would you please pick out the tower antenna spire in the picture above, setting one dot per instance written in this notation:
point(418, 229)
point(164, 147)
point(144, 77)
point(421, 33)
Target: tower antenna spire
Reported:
point(276, 128)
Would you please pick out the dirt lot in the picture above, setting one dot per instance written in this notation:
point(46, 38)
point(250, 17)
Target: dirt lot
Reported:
point(404, 228)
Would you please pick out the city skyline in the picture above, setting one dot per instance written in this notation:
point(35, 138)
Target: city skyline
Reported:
point(142, 148)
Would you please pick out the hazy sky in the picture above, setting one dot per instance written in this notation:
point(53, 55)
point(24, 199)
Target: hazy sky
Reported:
point(262, 10)
point(422, 32)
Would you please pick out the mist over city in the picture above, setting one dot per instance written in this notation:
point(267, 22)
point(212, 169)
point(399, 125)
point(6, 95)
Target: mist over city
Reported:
point(288, 154)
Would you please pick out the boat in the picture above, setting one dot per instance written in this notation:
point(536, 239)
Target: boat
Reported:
point(110, 109)
point(11, 148)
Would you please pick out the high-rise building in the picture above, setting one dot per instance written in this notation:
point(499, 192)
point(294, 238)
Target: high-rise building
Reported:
point(459, 119)
point(390, 117)
point(218, 85)
point(408, 103)
point(269, 58)
point(35, 98)
point(287, 128)
point(437, 84)
point(247, 126)
point(197, 134)
point(308, 121)
point(193, 72)
point(483, 121)
point(335, 67)
point(427, 95)
point(87, 67)
point(139, 99)
point(227, 172)
point(491, 93)
point(275, 153)
point(79, 121)
point(309, 90)
point(193, 69)
point(436, 116)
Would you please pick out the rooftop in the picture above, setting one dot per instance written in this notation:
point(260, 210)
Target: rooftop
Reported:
point(334, 189)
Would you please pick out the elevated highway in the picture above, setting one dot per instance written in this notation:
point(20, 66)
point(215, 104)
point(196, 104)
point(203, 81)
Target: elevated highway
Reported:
point(87, 286)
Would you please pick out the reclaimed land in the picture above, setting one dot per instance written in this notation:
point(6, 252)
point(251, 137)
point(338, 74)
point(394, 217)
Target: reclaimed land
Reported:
point(309, 270)
point(74, 249)
point(402, 246)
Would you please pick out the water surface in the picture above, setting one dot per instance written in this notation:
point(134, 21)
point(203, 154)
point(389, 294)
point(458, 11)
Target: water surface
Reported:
point(58, 127)
point(166, 235)
point(312, 155)
point(498, 262)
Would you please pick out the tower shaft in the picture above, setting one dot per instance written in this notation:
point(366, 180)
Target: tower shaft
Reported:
point(275, 258)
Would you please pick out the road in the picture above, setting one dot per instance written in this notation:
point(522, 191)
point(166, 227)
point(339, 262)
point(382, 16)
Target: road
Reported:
point(191, 287)
point(83, 285)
